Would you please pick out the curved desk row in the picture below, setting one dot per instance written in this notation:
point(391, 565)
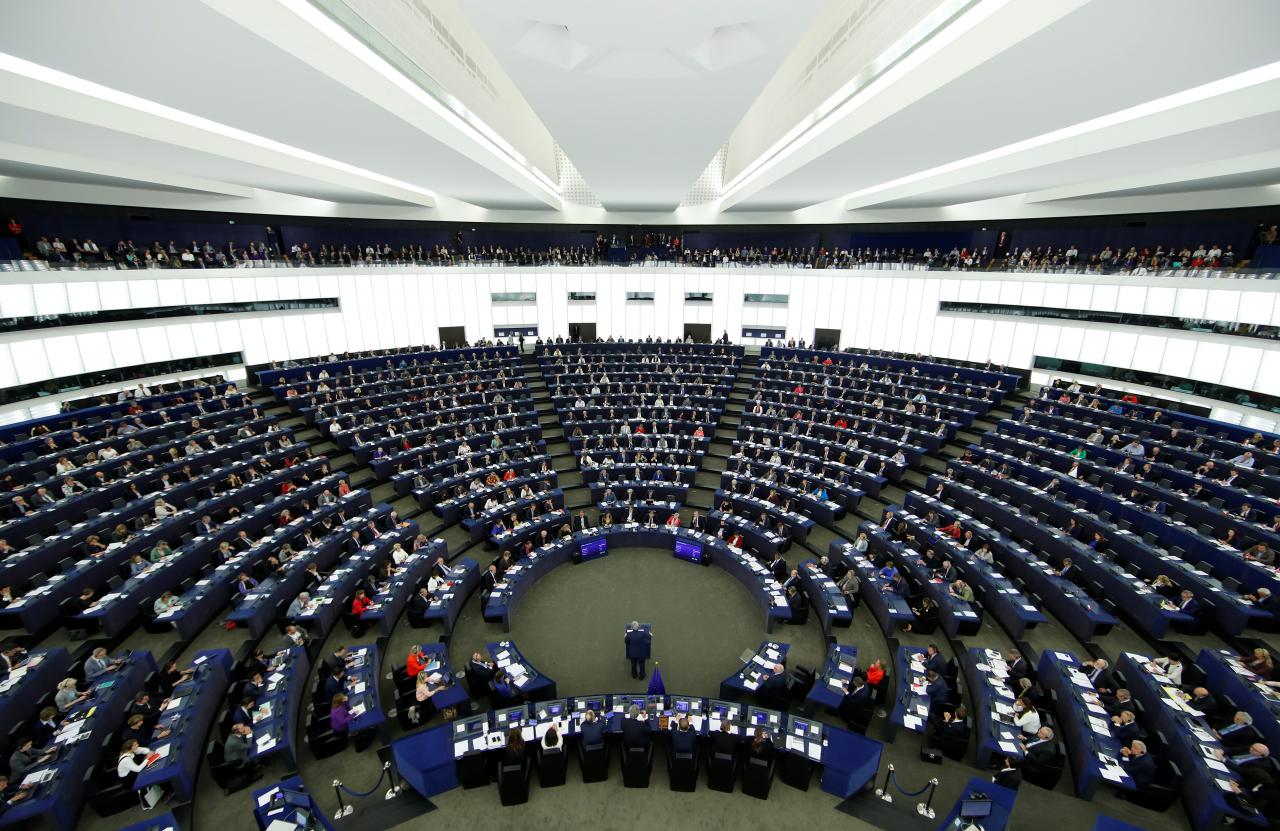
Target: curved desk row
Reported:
point(501, 604)
point(433, 761)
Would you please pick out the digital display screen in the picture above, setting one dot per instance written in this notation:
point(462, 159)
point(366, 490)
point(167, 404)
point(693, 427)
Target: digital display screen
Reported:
point(690, 551)
point(594, 548)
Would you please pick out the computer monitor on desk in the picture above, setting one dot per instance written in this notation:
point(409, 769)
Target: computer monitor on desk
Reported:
point(683, 705)
point(770, 720)
point(583, 703)
point(728, 711)
point(510, 717)
point(805, 727)
point(547, 710)
point(468, 727)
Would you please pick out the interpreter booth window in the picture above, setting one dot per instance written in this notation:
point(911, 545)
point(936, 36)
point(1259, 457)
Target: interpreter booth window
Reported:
point(697, 297)
point(514, 296)
point(639, 297)
point(775, 299)
point(529, 330)
point(764, 332)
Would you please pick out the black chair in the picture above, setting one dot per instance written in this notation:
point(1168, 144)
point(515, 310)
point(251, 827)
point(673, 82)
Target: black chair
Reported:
point(552, 766)
point(324, 742)
point(682, 771)
point(796, 770)
point(637, 765)
point(513, 782)
point(230, 776)
point(757, 777)
point(108, 793)
point(593, 759)
point(722, 771)
point(1047, 775)
point(1162, 793)
point(953, 746)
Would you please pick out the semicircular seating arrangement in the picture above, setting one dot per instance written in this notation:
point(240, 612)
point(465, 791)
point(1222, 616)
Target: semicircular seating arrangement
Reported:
point(226, 595)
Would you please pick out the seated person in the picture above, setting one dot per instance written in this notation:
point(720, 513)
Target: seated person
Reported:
point(339, 714)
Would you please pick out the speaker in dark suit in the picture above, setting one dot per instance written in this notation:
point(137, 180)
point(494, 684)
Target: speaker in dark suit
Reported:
point(638, 643)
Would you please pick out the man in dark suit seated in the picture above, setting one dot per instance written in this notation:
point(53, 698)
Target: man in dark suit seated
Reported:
point(1256, 756)
point(774, 686)
point(1017, 666)
point(933, 659)
point(1099, 673)
point(857, 700)
point(1140, 765)
point(244, 713)
point(1123, 700)
point(1008, 775)
point(591, 729)
point(778, 567)
point(1041, 750)
point(723, 741)
point(1124, 727)
point(420, 604)
point(1188, 604)
point(953, 725)
point(635, 731)
point(936, 688)
point(684, 739)
point(1239, 733)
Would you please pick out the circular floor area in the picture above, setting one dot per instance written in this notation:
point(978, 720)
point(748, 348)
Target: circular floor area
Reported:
point(570, 624)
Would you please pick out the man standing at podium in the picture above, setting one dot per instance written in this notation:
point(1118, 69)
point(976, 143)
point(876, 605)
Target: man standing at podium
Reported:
point(638, 642)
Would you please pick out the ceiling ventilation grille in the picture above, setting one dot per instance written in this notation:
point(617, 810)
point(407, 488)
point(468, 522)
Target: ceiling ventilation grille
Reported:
point(708, 186)
point(573, 188)
point(450, 43)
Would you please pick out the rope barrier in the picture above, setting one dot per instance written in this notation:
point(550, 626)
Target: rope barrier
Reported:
point(924, 809)
point(893, 776)
point(360, 795)
point(339, 788)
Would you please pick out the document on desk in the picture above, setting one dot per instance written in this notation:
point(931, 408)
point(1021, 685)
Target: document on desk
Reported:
point(265, 799)
point(1113, 774)
point(750, 683)
point(460, 748)
point(1214, 764)
point(795, 743)
point(815, 751)
point(911, 722)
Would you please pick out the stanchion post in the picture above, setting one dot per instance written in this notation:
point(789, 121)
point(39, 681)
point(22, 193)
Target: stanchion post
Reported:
point(925, 808)
point(883, 790)
point(342, 807)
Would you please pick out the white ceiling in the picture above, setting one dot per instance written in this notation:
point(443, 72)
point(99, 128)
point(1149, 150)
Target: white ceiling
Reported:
point(640, 98)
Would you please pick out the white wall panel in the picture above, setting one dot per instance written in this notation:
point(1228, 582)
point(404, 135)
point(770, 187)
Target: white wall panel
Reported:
point(51, 298)
point(1177, 358)
point(64, 356)
point(1190, 303)
point(1240, 369)
point(182, 344)
point(147, 292)
point(17, 300)
point(31, 362)
point(875, 309)
point(95, 352)
point(1160, 300)
point(155, 346)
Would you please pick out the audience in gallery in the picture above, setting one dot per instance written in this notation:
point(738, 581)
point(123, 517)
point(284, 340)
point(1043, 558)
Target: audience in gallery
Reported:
point(632, 249)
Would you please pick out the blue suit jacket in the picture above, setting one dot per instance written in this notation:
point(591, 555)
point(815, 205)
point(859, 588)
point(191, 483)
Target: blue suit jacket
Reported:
point(1142, 769)
point(638, 642)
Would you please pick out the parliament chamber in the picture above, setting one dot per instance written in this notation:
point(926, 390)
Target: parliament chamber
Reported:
point(480, 413)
